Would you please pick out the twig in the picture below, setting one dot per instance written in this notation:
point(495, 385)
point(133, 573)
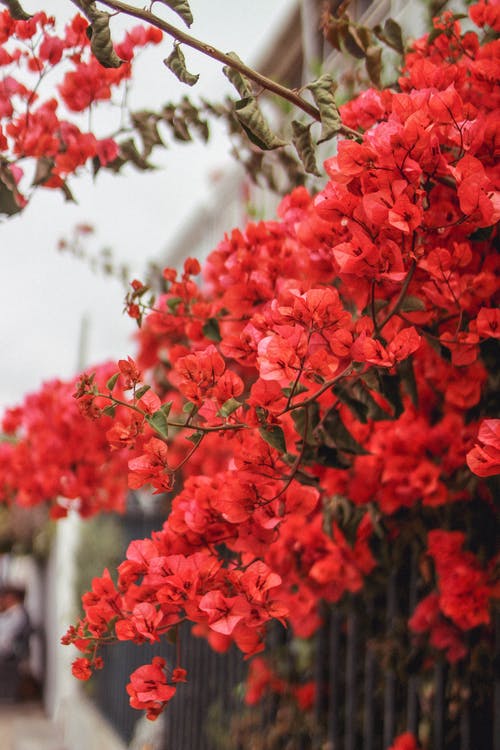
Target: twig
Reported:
point(211, 51)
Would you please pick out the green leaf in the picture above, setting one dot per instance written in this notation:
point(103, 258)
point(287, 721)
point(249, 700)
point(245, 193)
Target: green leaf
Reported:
point(360, 401)
point(129, 152)
point(228, 407)
point(178, 125)
point(390, 389)
point(304, 146)
point(353, 43)
point(310, 416)
point(255, 126)
point(139, 393)
point(190, 408)
point(146, 123)
point(4, 438)
point(211, 330)
point(261, 413)
point(68, 195)
point(240, 83)
point(195, 437)
point(112, 381)
point(100, 38)
point(334, 30)
point(335, 434)
point(482, 234)
point(331, 457)
point(172, 634)
point(323, 94)
point(407, 373)
point(298, 388)
point(15, 10)
point(159, 423)
point(8, 203)
point(43, 171)
point(191, 115)
point(373, 64)
point(181, 7)
point(9, 195)
point(412, 304)
point(173, 303)
point(274, 436)
point(434, 34)
point(110, 410)
point(393, 35)
point(176, 62)
point(336, 508)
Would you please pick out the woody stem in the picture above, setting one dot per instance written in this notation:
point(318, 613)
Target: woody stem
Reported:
point(210, 51)
point(401, 297)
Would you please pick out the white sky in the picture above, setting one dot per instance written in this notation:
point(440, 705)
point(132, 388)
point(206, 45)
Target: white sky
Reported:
point(44, 293)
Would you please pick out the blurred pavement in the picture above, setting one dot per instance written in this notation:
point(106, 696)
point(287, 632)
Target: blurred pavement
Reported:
point(24, 726)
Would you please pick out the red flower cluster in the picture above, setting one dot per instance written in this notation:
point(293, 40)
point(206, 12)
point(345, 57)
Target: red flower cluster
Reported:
point(32, 128)
point(54, 455)
point(263, 680)
point(322, 386)
point(405, 741)
point(484, 460)
point(148, 688)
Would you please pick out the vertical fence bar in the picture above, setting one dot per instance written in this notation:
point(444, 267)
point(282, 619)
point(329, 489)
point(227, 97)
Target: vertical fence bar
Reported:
point(334, 668)
point(390, 676)
point(412, 696)
point(369, 702)
point(496, 696)
point(322, 668)
point(351, 697)
point(439, 705)
point(465, 728)
point(276, 638)
point(192, 718)
point(180, 717)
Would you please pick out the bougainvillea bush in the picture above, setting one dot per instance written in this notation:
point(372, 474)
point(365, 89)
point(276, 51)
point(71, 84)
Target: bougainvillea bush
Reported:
point(317, 399)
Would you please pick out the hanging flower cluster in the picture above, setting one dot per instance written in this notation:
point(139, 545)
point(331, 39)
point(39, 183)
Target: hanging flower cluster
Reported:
point(38, 139)
point(318, 399)
point(55, 456)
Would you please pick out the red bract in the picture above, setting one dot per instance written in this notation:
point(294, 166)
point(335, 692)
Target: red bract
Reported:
point(464, 592)
point(81, 669)
point(151, 467)
point(405, 741)
point(484, 459)
point(148, 688)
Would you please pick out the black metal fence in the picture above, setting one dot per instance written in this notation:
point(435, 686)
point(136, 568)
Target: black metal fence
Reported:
point(372, 681)
point(369, 691)
point(202, 706)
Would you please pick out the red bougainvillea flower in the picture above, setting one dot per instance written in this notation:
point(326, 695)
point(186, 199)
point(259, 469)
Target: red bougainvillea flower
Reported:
point(148, 688)
point(484, 459)
point(405, 741)
point(179, 675)
point(82, 669)
point(151, 467)
point(464, 592)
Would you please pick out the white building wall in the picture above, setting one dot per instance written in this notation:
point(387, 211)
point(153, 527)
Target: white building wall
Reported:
point(60, 612)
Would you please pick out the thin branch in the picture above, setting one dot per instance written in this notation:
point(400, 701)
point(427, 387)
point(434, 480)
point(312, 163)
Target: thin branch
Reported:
point(211, 51)
point(170, 423)
point(187, 456)
point(296, 464)
point(401, 296)
point(316, 394)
